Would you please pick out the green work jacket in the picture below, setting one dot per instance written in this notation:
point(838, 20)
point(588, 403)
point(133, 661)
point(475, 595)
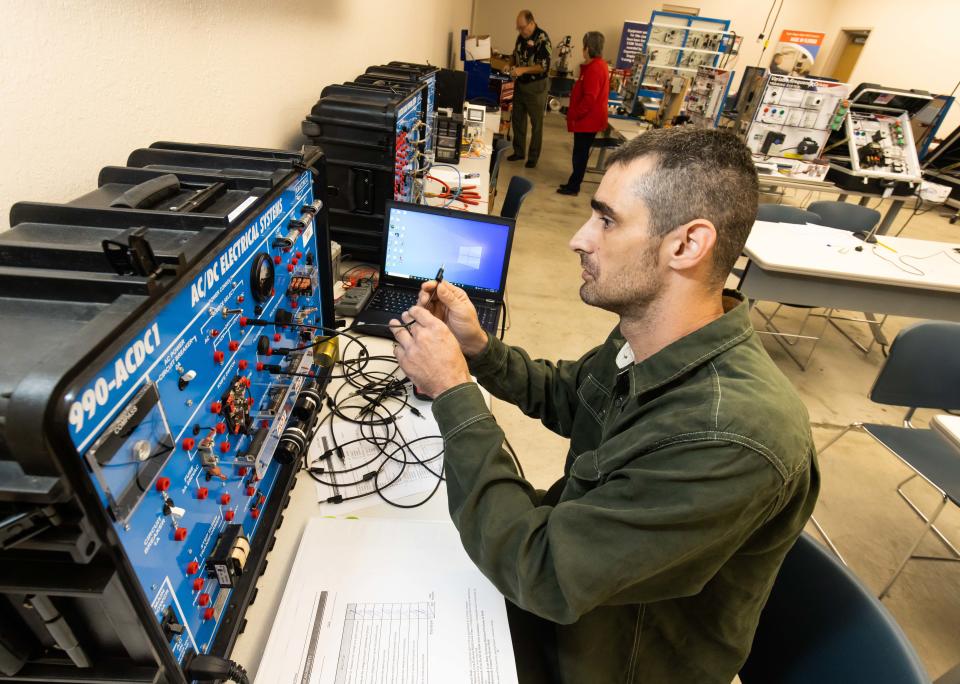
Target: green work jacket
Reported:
point(689, 476)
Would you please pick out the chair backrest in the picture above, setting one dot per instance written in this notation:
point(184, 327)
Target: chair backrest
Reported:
point(822, 625)
point(783, 213)
point(500, 147)
point(845, 216)
point(519, 188)
point(922, 369)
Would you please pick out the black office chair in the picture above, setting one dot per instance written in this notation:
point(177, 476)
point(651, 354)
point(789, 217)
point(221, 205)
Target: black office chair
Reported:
point(519, 188)
point(854, 218)
point(845, 216)
point(500, 147)
point(922, 371)
point(783, 213)
point(822, 625)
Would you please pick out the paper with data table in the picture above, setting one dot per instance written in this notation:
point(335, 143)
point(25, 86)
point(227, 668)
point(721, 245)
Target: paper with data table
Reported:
point(385, 601)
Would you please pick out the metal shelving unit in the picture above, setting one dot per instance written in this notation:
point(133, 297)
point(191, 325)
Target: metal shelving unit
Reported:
point(679, 43)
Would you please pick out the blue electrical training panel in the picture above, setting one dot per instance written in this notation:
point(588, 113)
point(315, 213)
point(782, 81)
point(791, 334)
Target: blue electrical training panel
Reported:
point(176, 418)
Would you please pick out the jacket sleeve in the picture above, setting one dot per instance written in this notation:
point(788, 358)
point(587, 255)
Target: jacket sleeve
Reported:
point(659, 527)
point(541, 389)
point(590, 87)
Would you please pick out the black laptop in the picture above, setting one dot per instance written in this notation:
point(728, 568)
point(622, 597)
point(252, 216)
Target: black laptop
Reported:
point(472, 249)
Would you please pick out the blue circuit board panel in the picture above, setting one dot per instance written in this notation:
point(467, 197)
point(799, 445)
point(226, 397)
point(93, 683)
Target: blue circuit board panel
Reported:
point(178, 430)
point(409, 128)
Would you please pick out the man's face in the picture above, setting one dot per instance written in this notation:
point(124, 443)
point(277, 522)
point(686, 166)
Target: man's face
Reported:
point(525, 28)
point(622, 269)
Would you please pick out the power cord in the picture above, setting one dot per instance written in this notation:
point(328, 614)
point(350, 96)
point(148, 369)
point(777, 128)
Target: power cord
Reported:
point(207, 668)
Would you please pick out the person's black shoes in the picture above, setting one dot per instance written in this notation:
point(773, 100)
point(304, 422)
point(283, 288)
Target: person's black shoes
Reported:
point(564, 190)
point(515, 157)
point(532, 164)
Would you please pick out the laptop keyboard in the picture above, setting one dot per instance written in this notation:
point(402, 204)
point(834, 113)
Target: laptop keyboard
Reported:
point(396, 301)
point(393, 300)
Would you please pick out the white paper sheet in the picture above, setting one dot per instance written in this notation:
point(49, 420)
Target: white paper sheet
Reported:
point(376, 601)
point(415, 479)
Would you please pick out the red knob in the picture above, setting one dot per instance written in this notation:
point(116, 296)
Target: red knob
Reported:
point(188, 444)
point(277, 259)
point(228, 516)
point(272, 292)
point(242, 364)
point(251, 490)
point(234, 345)
point(265, 424)
point(193, 567)
point(293, 304)
point(254, 513)
point(218, 356)
point(220, 428)
point(214, 332)
point(203, 599)
point(276, 337)
point(290, 268)
point(259, 365)
point(299, 254)
point(180, 533)
point(215, 407)
point(198, 584)
point(202, 493)
point(242, 471)
point(224, 499)
point(224, 447)
point(240, 299)
point(243, 321)
point(163, 484)
point(261, 499)
point(294, 261)
point(245, 382)
point(208, 614)
point(249, 402)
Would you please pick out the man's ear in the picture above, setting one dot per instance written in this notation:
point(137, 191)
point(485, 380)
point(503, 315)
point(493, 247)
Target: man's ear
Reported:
point(691, 245)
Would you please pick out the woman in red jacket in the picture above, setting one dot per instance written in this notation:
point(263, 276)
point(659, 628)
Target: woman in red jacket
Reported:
point(587, 114)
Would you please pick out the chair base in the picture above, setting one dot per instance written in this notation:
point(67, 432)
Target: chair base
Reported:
point(930, 522)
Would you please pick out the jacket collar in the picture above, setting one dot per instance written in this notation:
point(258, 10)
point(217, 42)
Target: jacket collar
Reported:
point(693, 350)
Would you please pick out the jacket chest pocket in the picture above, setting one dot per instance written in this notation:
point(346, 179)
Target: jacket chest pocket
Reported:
point(594, 398)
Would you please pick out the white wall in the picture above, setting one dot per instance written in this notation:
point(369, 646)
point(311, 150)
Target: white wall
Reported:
point(83, 83)
point(910, 45)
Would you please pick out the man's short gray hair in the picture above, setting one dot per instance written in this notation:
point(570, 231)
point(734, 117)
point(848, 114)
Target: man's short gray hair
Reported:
point(593, 42)
point(698, 174)
point(526, 15)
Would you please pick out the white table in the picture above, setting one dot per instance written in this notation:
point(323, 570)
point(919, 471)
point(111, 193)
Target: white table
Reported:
point(948, 427)
point(817, 266)
point(470, 165)
point(628, 129)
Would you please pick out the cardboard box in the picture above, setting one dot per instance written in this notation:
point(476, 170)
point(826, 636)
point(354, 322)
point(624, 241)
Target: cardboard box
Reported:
point(500, 63)
point(477, 47)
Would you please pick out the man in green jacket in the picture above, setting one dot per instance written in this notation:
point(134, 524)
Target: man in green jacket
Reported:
point(691, 469)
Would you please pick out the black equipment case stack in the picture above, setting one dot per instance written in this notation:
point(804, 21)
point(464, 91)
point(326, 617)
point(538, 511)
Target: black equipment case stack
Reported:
point(371, 134)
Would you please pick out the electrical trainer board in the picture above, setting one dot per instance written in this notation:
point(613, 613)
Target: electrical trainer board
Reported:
point(185, 381)
point(791, 122)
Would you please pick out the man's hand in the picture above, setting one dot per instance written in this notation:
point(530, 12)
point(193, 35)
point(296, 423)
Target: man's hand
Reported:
point(517, 71)
point(451, 305)
point(429, 353)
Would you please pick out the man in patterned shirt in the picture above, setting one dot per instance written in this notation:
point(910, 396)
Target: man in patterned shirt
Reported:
point(531, 62)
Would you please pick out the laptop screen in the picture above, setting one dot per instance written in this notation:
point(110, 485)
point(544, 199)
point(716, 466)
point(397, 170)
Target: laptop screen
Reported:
point(473, 252)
